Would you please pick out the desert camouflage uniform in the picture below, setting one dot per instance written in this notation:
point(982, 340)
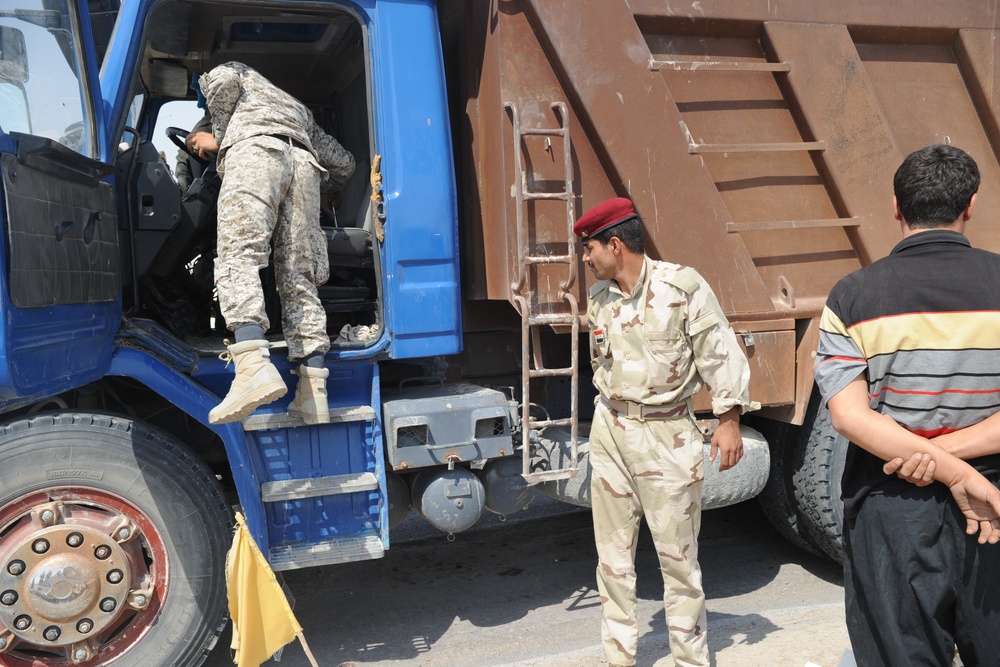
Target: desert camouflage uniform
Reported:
point(655, 348)
point(272, 156)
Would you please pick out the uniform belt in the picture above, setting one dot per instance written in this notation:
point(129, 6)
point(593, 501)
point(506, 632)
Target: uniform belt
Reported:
point(288, 140)
point(642, 412)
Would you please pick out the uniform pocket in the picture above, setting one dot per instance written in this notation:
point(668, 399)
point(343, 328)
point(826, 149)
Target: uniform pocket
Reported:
point(667, 356)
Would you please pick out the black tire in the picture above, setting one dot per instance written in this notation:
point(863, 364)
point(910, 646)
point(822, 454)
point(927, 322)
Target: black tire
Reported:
point(777, 499)
point(78, 472)
point(819, 466)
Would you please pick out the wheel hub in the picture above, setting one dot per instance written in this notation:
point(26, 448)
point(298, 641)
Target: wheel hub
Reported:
point(63, 584)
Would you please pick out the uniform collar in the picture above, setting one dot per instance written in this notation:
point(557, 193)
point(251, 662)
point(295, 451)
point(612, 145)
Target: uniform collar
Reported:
point(639, 282)
point(931, 236)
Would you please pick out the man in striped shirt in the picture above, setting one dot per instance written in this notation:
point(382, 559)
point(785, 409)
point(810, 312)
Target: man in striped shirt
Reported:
point(909, 362)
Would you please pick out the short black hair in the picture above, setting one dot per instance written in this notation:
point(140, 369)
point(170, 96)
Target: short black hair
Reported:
point(934, 185)
point(630, 233)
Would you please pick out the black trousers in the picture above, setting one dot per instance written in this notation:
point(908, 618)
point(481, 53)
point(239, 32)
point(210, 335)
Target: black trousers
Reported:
point(916, 585)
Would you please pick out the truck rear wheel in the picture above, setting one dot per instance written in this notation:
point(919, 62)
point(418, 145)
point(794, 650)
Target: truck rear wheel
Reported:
point(819, 465)
point(113, 539)
point(778, 496)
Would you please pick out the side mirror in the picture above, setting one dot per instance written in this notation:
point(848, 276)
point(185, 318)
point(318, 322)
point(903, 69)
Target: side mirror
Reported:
point(13, 56)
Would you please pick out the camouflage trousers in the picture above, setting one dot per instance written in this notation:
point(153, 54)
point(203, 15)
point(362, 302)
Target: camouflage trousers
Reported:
point(270, 195)
point(652, 468)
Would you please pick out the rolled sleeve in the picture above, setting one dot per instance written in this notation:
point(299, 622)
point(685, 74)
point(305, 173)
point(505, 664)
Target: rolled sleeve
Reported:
point(720, 360)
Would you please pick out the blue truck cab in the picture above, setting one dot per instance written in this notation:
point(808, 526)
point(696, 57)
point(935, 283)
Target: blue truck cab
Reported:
point(116, 494)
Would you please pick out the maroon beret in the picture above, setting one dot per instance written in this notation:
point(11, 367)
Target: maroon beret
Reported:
point(607, 214)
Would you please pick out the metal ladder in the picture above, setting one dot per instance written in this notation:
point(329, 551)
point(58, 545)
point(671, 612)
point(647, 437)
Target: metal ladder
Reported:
point(787, 291)
point(532, 364)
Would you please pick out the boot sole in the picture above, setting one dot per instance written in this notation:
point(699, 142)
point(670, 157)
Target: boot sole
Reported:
point(262, 396)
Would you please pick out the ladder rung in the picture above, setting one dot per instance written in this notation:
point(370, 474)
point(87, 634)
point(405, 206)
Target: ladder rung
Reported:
point(295, 489)
point(550, 196)
point(549, 259)
point(718, 65)
point(550, 372)
point(550, 475)
point(544, 131)
point(738, 227)
point(695, 149)
point(538, 320)
point(566, 421)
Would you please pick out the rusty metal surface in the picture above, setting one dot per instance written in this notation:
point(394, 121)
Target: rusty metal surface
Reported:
point(757, 139)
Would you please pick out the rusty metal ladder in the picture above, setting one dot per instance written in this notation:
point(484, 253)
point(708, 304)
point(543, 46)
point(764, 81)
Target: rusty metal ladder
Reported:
point(532, 364)
point(787, 291)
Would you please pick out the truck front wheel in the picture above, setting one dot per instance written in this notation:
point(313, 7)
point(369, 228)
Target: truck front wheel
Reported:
point(113, 540)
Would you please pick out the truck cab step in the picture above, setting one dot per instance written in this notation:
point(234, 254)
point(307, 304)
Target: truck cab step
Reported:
point(295, 489)
point(328, 552)
point(262, 421)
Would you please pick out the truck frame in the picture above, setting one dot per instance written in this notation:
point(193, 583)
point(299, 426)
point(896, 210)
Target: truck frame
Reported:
point(757, 142)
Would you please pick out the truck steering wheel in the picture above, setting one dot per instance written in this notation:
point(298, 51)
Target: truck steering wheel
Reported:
point(177, 136)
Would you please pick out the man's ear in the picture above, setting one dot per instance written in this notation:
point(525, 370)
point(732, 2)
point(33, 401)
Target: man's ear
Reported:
point(967, 213)
point(895, 209)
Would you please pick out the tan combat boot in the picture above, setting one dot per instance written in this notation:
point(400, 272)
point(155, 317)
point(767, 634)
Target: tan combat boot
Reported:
point(309, 403)
point(257, 382)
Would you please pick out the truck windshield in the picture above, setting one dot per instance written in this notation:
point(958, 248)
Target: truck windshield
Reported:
point(48, 100)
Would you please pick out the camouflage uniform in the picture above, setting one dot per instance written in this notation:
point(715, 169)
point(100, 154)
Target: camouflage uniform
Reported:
point(652, 350)
point(272, 156)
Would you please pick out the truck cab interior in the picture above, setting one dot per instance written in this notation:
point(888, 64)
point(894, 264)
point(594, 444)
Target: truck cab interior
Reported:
point(167, 235)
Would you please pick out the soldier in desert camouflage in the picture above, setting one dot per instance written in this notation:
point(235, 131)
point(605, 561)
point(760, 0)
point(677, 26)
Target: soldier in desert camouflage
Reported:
point(657, 336)
point(273, 157)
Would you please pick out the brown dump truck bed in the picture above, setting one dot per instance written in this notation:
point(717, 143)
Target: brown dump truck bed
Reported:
point(757, 139)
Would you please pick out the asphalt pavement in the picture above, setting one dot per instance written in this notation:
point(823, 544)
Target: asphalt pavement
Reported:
point(521, 593)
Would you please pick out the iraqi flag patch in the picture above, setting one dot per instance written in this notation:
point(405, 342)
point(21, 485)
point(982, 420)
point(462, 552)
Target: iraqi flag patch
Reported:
point(599, 336)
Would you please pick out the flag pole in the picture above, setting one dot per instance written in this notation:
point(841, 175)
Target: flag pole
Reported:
point(305, 647)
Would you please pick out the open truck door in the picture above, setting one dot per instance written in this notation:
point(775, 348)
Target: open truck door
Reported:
point(61, 292)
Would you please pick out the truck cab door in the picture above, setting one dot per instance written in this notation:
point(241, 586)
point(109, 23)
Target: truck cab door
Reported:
point(60, 280)
point(421, 228)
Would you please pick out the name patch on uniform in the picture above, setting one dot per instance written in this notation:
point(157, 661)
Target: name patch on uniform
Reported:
point(599, 336)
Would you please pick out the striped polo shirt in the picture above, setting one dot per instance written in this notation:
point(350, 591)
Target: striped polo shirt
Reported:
point(924, 325)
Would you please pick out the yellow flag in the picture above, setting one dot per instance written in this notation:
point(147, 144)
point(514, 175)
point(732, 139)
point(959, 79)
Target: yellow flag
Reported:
point(263, 621)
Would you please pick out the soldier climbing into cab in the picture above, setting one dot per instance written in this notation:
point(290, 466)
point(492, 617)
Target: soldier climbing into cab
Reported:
point(272, 156)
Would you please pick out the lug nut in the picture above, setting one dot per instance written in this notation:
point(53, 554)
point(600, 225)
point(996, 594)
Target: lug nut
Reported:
point(40, 546)
point(3, 643)
point(22, 622)
point(115, 577)
point(15, 567)
point(8, 597)
point(80, 654)
point(84, 626)
point(74, 539)
point(102, 552)
point(124, 533)
point(47, 517)
point(52, 633)
point(139, 600)
point(108, 605)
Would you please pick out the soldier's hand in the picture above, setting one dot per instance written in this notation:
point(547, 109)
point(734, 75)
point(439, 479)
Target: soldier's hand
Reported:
point(919, 469)
point(727, 441)
point(202, 144)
